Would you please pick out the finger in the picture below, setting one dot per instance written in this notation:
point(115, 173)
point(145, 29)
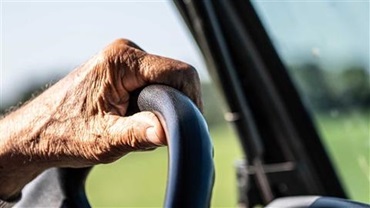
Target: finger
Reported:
point(160, 70)
point(122, 42)
point(140, 131)
point(142, 69)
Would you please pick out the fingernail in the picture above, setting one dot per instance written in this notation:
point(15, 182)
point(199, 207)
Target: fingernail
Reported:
point(152, 136)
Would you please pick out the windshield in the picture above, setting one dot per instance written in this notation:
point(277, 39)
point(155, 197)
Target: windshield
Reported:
point(325, 46)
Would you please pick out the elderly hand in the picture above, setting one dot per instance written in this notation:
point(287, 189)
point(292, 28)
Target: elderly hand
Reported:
point(81, 120)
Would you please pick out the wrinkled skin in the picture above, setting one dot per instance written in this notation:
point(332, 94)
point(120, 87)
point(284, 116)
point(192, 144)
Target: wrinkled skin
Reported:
point(80, 121)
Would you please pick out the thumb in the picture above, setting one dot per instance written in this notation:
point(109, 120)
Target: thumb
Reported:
point(140, 131)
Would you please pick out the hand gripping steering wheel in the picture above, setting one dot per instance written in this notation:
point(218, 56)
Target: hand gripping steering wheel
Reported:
point(190, 174)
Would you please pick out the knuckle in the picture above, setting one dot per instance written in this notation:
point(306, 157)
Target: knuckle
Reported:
point(189, 72)
point(112, 51)
point(121, 42)
point(124, 42)
point(121, 53)
point(192, 72)
point(122, 45)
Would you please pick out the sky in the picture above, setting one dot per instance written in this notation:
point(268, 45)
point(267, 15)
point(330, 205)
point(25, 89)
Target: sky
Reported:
point(42, 38)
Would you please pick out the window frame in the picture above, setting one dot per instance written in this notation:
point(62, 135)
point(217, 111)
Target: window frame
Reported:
point(282, 146)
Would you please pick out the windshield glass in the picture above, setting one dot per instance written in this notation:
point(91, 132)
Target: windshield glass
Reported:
point(325, 46)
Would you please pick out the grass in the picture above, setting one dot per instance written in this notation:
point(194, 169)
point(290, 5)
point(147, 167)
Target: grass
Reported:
point(347, 138)
point(139, 179)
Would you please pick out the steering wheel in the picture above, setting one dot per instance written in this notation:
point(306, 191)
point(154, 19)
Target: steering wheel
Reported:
point(190, 174)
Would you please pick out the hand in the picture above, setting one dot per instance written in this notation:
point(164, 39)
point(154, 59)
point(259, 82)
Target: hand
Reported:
point(81, 120)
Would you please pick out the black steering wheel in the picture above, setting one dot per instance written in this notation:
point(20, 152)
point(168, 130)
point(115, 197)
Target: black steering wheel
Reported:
point(190, 174)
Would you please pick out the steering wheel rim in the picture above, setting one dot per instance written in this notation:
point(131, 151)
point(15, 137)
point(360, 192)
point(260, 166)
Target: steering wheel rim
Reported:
point(190, 173)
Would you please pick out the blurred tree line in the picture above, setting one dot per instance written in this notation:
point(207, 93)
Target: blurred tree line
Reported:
point(323, 90)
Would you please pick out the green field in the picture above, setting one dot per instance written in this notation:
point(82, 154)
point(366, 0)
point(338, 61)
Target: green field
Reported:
point(139, 179)
point(347, 138)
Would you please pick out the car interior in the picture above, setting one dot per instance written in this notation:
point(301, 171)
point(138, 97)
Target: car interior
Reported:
point(287, 163)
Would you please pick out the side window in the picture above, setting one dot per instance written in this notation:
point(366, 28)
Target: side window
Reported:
point(325, 47)
point(43, 41)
